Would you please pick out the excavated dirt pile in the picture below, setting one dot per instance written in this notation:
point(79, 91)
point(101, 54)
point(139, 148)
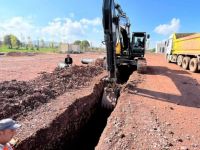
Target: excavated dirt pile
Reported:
point(19, 97)
point(21, 53)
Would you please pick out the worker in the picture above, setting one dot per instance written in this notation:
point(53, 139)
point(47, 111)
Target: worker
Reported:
point(8, 129)
point(139, 43)
point(68, 60)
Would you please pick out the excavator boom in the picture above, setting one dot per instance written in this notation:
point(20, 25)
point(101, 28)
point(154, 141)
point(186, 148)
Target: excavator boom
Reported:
point(109, 35)
point(121, 50)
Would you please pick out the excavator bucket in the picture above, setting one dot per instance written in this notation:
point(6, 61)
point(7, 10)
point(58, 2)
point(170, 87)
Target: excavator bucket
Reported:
point(109, 98)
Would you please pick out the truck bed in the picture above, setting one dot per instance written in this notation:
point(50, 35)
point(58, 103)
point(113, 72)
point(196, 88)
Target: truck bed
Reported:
point(188, 45)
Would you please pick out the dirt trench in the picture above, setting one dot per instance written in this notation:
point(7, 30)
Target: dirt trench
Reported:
point(73, 120)
point(58, 110)
point(62, 128)
point(53, 107)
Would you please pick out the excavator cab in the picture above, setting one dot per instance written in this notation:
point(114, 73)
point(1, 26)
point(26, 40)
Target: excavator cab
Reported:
point(138, 44)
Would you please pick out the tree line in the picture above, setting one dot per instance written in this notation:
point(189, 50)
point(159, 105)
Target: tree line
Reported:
point(83, 44)
point(12, 42)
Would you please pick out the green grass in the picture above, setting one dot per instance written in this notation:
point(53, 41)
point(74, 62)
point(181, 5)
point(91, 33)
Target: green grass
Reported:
point(5, 49)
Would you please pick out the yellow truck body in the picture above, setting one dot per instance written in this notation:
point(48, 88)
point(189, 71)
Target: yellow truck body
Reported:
point(186, 43)
point(184, 49)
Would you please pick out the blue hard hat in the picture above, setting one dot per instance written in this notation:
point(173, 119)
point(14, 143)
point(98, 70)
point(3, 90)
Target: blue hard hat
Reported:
point(8, 124)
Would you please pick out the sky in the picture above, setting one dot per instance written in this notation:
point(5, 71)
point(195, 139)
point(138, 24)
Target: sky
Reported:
point(70, 20)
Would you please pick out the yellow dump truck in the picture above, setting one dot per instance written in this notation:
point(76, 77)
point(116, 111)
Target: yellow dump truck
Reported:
point(184, 49)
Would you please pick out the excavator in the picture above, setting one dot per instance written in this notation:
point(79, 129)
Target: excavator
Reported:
point(123, 50)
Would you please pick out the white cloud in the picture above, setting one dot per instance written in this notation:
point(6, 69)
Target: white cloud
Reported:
point(68, 30)
point(97, 30)
point(59, 29)
point(18, 26)
point(93, 22)
point(63, 29)
point(167, 29)
point(71, 15)
point(57, 19)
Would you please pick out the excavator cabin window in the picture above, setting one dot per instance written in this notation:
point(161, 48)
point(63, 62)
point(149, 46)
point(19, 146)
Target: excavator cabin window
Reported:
point(138, 40)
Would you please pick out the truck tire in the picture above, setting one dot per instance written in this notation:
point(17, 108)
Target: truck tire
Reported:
point(185, 63)
point(179, 60)
point(168, 58)
point(193, 66)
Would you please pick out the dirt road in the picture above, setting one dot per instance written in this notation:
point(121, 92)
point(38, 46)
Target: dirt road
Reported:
point(158, 110)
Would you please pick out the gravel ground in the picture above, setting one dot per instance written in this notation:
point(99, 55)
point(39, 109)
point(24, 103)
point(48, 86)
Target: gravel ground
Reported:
point(156, 111)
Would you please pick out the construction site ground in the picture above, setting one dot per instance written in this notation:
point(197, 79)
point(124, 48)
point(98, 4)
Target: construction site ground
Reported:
point(46, 100)
point(157, 110)
point(28, 67)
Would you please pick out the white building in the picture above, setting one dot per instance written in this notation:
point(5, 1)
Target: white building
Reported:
point(161, 47)
point(70, 48)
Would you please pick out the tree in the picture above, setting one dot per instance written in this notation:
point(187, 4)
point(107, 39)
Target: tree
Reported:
point(14, 41)
point(51, 44)
point(77, 42)
point(37, 45)
point(85, 44)
point(7, 41)
point(153, 50)
point(11, 41)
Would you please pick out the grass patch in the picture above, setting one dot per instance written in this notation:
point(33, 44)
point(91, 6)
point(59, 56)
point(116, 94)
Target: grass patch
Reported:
point(5, 49)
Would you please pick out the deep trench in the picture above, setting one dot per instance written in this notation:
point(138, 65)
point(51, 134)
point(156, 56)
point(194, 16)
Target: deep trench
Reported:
point(89, 135)
point(87, 138)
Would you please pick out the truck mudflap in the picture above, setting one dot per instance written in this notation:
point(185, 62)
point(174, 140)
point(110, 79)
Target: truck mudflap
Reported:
point(141, 65)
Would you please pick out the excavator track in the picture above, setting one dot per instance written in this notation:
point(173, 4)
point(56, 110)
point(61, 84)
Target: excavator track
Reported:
point(142, 66)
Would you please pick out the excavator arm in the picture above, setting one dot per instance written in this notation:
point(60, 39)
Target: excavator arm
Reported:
point(122, 52)
point(115, 33)
point(109, 26)
point(116, 37)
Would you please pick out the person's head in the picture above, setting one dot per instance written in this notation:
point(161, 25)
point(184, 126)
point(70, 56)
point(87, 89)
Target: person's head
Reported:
point(139, 40)
point(68, 55)
point(8, 129)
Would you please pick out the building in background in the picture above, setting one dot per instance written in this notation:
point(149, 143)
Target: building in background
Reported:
point(70, 48)
point(161, 47)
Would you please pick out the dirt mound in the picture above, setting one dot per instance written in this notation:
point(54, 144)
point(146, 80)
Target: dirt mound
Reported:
point(21, 53)
point(19, 97)
point(99, 62)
